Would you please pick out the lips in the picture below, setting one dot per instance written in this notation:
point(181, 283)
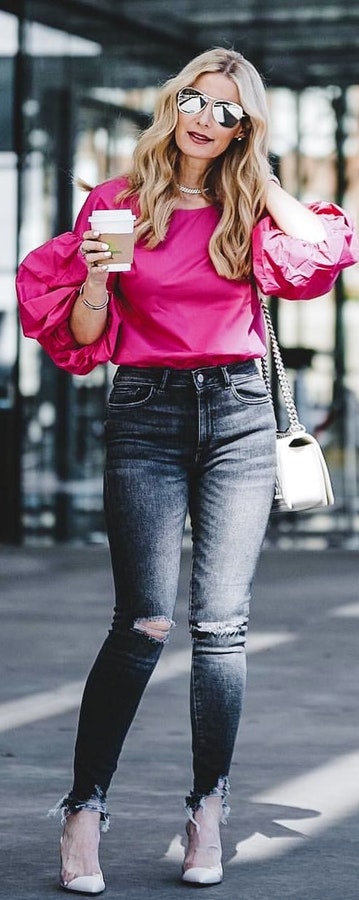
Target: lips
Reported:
point(199, 138)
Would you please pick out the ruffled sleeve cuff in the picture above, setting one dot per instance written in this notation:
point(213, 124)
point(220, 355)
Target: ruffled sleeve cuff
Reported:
point(48, 283)
point(298, 270)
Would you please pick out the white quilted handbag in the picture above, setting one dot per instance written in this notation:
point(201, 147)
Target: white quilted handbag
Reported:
point(303, 481)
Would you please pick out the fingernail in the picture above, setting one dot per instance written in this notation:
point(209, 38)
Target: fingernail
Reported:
point(108, 253)
point(103, 268)
point(104, 246)
point(96, 233)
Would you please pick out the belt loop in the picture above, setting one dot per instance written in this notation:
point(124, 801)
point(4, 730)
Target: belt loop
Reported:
point(164, 379)
point(226, 376)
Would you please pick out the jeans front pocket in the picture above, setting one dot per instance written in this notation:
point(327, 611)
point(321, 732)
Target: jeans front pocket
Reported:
point(126, 396)
point(250, 389)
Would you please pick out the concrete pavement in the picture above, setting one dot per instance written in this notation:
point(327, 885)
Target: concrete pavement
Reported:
point(294, 827)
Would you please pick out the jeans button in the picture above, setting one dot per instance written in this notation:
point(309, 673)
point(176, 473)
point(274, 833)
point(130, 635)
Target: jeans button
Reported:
point(200, 378)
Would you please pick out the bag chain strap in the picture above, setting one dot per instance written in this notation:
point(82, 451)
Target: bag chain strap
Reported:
point(290, 406)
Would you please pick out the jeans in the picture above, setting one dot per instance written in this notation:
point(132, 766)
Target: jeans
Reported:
point(200, 441)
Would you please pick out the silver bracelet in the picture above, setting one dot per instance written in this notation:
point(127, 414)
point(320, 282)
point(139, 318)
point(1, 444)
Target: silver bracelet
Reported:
point(92, 305)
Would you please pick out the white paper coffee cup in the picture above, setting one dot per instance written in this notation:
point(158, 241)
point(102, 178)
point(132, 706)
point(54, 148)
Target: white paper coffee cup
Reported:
point(116, 229)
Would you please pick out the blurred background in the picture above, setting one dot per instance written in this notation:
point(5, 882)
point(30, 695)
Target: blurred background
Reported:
point(78, 80)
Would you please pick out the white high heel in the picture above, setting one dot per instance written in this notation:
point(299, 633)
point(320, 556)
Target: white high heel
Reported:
point(85, 884)
point(82, 884)
point(206, 819)
point(201, 875)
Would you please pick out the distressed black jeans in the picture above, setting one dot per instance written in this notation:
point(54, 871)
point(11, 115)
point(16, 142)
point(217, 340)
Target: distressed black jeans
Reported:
point(201, 441)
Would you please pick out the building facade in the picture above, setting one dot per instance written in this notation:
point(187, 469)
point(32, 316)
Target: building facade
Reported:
point(72, 106)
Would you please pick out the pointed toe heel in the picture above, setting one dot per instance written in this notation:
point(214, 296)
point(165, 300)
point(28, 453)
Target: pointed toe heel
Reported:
point(202, 875)
point(202, 862)
point(85, 884)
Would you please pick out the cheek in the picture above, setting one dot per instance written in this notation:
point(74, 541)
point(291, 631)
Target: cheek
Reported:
point(225, 140)
point(179, 133)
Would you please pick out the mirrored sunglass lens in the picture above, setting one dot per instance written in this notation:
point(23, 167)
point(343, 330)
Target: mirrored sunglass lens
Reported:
point(189, 102)
point(226, 114)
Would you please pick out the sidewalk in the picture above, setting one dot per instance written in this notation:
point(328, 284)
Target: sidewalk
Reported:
point(294, 827)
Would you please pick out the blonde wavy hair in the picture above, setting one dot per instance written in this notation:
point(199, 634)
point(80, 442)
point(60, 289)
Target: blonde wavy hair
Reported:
point(235, 181)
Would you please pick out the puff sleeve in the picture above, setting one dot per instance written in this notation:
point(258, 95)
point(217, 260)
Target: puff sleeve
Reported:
point(48, 282)
point(298, 270)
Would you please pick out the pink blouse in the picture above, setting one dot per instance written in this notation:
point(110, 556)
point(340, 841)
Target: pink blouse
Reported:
point(175, 311)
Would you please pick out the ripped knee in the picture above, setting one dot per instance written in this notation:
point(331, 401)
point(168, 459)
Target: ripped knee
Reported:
point(230, 634)
point(157, 628)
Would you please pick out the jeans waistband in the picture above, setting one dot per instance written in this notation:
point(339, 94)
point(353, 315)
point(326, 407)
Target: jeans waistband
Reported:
point(161, 377)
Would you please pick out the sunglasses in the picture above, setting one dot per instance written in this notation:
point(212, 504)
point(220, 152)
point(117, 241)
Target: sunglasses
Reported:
point(225, 112)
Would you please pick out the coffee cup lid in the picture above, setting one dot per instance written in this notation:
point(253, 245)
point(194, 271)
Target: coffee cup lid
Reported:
point(111, 214)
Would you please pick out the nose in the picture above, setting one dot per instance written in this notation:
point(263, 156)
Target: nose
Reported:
point(205, 116)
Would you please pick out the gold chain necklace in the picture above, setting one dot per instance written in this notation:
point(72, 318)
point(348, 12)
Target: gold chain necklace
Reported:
point(188, 190)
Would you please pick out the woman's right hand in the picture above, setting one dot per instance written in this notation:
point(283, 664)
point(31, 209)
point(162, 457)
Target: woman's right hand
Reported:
point(96, 255)
point(89, 313)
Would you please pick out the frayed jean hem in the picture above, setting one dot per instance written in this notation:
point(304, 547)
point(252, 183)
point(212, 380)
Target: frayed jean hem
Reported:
point(196, 801)
point(71, 804)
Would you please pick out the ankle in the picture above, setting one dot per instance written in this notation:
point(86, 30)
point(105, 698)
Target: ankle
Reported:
point(85, 820)
point(209, 811)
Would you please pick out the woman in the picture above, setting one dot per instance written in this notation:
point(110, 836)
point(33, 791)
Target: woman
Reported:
point(189, 424)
